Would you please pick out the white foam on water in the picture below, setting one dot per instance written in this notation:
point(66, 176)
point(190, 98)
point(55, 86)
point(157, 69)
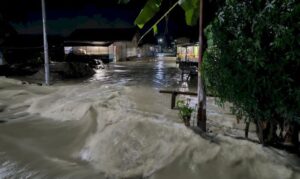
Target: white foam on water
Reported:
point(122, 138)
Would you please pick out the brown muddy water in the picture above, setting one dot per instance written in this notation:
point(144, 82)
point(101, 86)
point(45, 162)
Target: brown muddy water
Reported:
point(117, 125)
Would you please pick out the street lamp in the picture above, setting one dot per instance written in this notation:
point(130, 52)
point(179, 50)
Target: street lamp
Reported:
point(46, 56)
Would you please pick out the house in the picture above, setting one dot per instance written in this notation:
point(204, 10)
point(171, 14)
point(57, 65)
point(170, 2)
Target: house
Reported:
point(107, 44)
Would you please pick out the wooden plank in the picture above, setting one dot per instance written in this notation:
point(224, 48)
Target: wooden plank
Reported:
point(178, 92)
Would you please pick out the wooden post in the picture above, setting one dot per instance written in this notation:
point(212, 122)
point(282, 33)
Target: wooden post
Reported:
point(186, 51)
point(295, 137)
point(173, 101)
point(201, 117)
point(247, 129)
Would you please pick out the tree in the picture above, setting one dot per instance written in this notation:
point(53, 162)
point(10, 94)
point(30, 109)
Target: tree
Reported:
point(253, 61)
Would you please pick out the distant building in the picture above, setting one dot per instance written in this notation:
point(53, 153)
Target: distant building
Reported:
point(106, 44)
point(165, 45)
point(147, 46)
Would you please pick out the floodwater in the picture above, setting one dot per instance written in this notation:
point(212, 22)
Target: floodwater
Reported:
point(117, 125)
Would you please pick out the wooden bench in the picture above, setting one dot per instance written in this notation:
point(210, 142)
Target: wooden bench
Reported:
point(174, 95)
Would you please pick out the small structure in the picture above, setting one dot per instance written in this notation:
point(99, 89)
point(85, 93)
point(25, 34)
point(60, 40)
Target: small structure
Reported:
point(187, 58)
point(188, 52)
point(109, 45)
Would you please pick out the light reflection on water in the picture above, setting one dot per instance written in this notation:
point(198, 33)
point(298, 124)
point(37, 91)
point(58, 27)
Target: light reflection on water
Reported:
point(160, 73)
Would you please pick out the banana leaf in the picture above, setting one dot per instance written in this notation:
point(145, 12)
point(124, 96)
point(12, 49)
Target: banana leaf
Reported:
point(148, 12)
point(191, 8)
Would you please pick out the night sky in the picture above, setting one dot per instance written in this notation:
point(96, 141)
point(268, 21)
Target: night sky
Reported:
point(65, 16)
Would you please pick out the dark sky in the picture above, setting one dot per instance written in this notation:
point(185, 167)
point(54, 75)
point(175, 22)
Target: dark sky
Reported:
point(64, 16)
point(21, 10)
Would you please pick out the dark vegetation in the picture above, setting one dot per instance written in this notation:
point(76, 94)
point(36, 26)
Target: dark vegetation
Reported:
point(253, 61)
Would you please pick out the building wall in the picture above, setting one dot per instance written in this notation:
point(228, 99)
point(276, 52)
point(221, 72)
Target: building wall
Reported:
point(147, 50)
point(111, 52)
point(118, 51)
point(87, 50)
point(97, 50)
point(124, 50)
point(131, 49)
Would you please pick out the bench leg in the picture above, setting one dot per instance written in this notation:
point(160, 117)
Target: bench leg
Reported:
point(173, 100)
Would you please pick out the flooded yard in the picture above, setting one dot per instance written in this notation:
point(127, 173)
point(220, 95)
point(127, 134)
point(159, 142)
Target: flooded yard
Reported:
point(117, 125)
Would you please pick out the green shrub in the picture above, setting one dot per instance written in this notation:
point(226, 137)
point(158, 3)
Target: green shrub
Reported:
point(185, 111)
point(253, 59)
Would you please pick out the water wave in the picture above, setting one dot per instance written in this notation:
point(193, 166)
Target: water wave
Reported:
point(93, 128)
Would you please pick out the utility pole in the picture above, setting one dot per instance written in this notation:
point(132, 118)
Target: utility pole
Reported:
point(201, 116)
point(46, 55)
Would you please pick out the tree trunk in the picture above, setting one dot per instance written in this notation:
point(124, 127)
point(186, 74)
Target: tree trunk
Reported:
point(201, 123)
point(266, 132)
point(201, 117)
point(247, 129)
point(295, 137)
point(292, 136)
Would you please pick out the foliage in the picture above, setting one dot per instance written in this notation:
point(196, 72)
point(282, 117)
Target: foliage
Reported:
point(152, 7)
point(253, 59)
point(148, 12)
point(185, 111)
point(191, 8)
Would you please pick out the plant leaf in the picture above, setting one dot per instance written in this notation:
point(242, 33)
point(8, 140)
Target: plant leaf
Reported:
point(191, 8)
point(148, 12)
point(155, 29)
